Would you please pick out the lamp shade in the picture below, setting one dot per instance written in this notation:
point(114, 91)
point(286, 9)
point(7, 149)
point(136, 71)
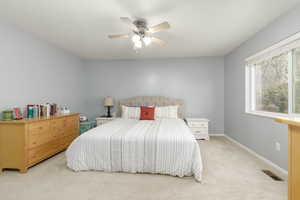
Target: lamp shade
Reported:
point(108, 101)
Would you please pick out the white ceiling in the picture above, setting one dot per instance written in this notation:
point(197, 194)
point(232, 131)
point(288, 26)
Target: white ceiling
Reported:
point(198, 27)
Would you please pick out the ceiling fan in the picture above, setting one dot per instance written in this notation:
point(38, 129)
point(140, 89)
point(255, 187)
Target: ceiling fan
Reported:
point(141, 34)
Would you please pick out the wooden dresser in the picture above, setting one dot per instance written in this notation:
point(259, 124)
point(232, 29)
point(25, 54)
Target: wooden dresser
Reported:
point(24, 143)
point(294, 156)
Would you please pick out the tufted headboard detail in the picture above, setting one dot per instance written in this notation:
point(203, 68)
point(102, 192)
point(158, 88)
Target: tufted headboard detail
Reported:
point(151, 101)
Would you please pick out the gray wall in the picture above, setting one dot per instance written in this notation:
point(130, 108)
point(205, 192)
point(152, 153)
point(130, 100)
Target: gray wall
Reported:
point(257, 133)
point(199, 81)
point(31, 71)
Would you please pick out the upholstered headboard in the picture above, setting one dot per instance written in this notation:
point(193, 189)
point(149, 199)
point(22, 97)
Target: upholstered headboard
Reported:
point(151, 101)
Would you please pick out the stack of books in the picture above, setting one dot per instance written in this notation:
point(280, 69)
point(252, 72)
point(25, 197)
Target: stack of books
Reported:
point(41, 110)
point(34, 111)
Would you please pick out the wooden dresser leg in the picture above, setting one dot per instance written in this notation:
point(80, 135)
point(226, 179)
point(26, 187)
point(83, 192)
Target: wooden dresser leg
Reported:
point(23, 170)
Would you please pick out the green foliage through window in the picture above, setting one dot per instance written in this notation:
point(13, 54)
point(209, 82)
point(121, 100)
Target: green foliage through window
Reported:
point(296, 64)
point(271, 84)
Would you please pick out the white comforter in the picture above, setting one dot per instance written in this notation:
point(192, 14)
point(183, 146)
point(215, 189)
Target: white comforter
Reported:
point(163, 146)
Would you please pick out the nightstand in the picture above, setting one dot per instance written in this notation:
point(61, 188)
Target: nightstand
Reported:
point(199, 127)
point(87, 125)
point(103, 120)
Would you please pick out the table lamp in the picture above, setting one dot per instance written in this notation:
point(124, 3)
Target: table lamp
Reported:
point(108, 102)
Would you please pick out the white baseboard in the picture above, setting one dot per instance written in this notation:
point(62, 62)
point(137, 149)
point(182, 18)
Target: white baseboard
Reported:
point(218, 135)
point(283, 171)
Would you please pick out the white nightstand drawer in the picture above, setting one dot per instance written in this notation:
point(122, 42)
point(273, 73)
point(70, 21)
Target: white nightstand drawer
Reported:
point(100, 123)
point(201, 136)
point(200, 130)
point(197, 124)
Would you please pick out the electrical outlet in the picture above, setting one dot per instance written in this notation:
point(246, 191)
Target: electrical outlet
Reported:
point(277, 146)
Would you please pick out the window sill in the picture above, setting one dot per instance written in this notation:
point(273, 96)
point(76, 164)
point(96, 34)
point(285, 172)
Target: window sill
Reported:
point(269, 115)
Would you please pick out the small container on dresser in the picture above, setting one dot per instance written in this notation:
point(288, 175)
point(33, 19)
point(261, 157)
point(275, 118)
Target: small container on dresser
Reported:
point(199, 127)
point(103, 120)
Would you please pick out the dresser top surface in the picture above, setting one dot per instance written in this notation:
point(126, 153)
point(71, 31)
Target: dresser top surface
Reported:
point(27, 120)
point(294, 121)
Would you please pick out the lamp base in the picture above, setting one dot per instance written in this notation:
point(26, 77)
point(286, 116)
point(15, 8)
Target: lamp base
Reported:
point(108, 112)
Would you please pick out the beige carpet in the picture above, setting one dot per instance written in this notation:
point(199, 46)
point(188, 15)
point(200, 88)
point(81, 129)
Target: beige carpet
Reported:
point(230, 174)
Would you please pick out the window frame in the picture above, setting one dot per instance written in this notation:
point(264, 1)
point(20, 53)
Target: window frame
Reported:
point(250, 95)
point(289, 45)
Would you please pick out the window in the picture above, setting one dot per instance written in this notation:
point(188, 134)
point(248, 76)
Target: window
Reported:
point(296, 59)
point(273, 80)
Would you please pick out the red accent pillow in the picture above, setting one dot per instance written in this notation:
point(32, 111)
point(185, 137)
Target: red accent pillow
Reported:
point(147, 113)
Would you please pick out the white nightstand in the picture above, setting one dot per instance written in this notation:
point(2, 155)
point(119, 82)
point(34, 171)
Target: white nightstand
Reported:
point(103, 120)
point(199, 127)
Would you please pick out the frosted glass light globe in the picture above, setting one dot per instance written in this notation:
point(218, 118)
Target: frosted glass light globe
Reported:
point(136, 38)
point(138, 44)
point(147, 40)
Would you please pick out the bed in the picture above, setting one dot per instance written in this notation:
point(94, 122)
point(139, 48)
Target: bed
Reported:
point(164, 146)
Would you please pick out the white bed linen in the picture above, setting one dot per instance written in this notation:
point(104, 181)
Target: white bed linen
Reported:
point(164, 146)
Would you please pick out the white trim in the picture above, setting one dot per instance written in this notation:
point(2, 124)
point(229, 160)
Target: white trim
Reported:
point(247, 88)
point(293, 87)
point(272, 115)
point(283, 171)
point(283, 42)
point(290, 83)
point(217, 135)
point(252, 89)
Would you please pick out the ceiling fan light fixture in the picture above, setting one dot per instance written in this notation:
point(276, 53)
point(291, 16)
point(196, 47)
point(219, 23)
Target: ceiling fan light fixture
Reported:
point(141, 34)
point(138, 44)
point(147, 40)
point(136, 38)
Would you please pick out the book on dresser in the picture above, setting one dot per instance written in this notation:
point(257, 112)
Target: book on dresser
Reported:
point(24, 143)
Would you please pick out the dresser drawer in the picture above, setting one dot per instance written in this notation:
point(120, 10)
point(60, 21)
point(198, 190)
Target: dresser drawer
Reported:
point(70, 122)
point(38, 127)
point(58, 123)
point(71, 132)
point(39, 153)
point(71, 125)
point(57, 128)
point(38, 134)
point(66, 141)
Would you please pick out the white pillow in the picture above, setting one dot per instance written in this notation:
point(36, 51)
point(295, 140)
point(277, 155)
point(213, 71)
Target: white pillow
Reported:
point(169, 112)
point(131, 112)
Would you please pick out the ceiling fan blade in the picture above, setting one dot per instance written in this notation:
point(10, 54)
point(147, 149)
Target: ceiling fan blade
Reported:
point(118, 36)
point(159, 27)
point(158, 41)
point(129, 22)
